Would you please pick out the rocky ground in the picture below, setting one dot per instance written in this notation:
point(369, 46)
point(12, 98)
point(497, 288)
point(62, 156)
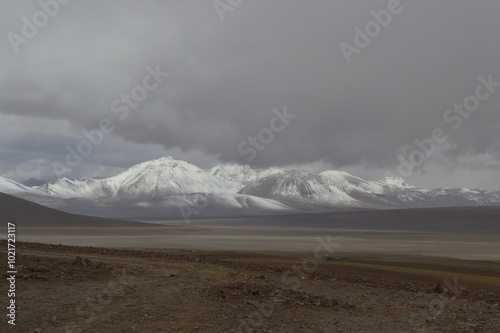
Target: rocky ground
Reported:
point(84, 289)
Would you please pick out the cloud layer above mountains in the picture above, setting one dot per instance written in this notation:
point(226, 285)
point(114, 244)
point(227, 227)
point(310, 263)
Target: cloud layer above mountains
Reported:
point(226, 77)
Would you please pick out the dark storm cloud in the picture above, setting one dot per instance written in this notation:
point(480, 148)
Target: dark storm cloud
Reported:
point(227, 77)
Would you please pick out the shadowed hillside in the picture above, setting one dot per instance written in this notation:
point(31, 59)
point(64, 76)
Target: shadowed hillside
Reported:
point(28, 214)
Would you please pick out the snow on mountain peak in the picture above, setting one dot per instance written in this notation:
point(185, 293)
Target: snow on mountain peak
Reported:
point(347, 182)
point(395, 181)
point(10, 186)
point(298, 185)
point(167, 179)
point(242, 174)
point(164, 162)
point(156, 178)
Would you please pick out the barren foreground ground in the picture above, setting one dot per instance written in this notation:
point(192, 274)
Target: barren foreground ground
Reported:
point(85, 289)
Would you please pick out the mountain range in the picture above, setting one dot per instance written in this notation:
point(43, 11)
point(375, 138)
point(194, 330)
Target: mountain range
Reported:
point(168, 188)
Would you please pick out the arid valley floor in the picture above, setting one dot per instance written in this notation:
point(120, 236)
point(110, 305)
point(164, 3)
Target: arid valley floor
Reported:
point(384, 271)
point(85, 289)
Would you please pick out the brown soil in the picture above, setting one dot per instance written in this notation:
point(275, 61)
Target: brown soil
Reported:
point(85, 289)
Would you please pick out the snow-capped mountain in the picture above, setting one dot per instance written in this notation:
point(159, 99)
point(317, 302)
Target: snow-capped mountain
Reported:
point(389, 191)
point(461, 197)
point(300, 187)
point(348, 183)
point(395, 192)
point(19, 190)
point(10, 186)
point(87, 188)
point(170, 188)
point(162, 188)
point(242, 174)
point(158, 178)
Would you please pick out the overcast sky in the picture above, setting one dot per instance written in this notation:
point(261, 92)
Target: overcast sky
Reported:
point(229, 67)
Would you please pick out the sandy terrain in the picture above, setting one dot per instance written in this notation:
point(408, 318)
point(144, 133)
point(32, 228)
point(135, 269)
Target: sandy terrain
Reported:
point(85, 289)
point(273, 238)
point(386, 271)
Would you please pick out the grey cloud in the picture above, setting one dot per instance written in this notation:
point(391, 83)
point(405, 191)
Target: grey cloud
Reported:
point(226, 77)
